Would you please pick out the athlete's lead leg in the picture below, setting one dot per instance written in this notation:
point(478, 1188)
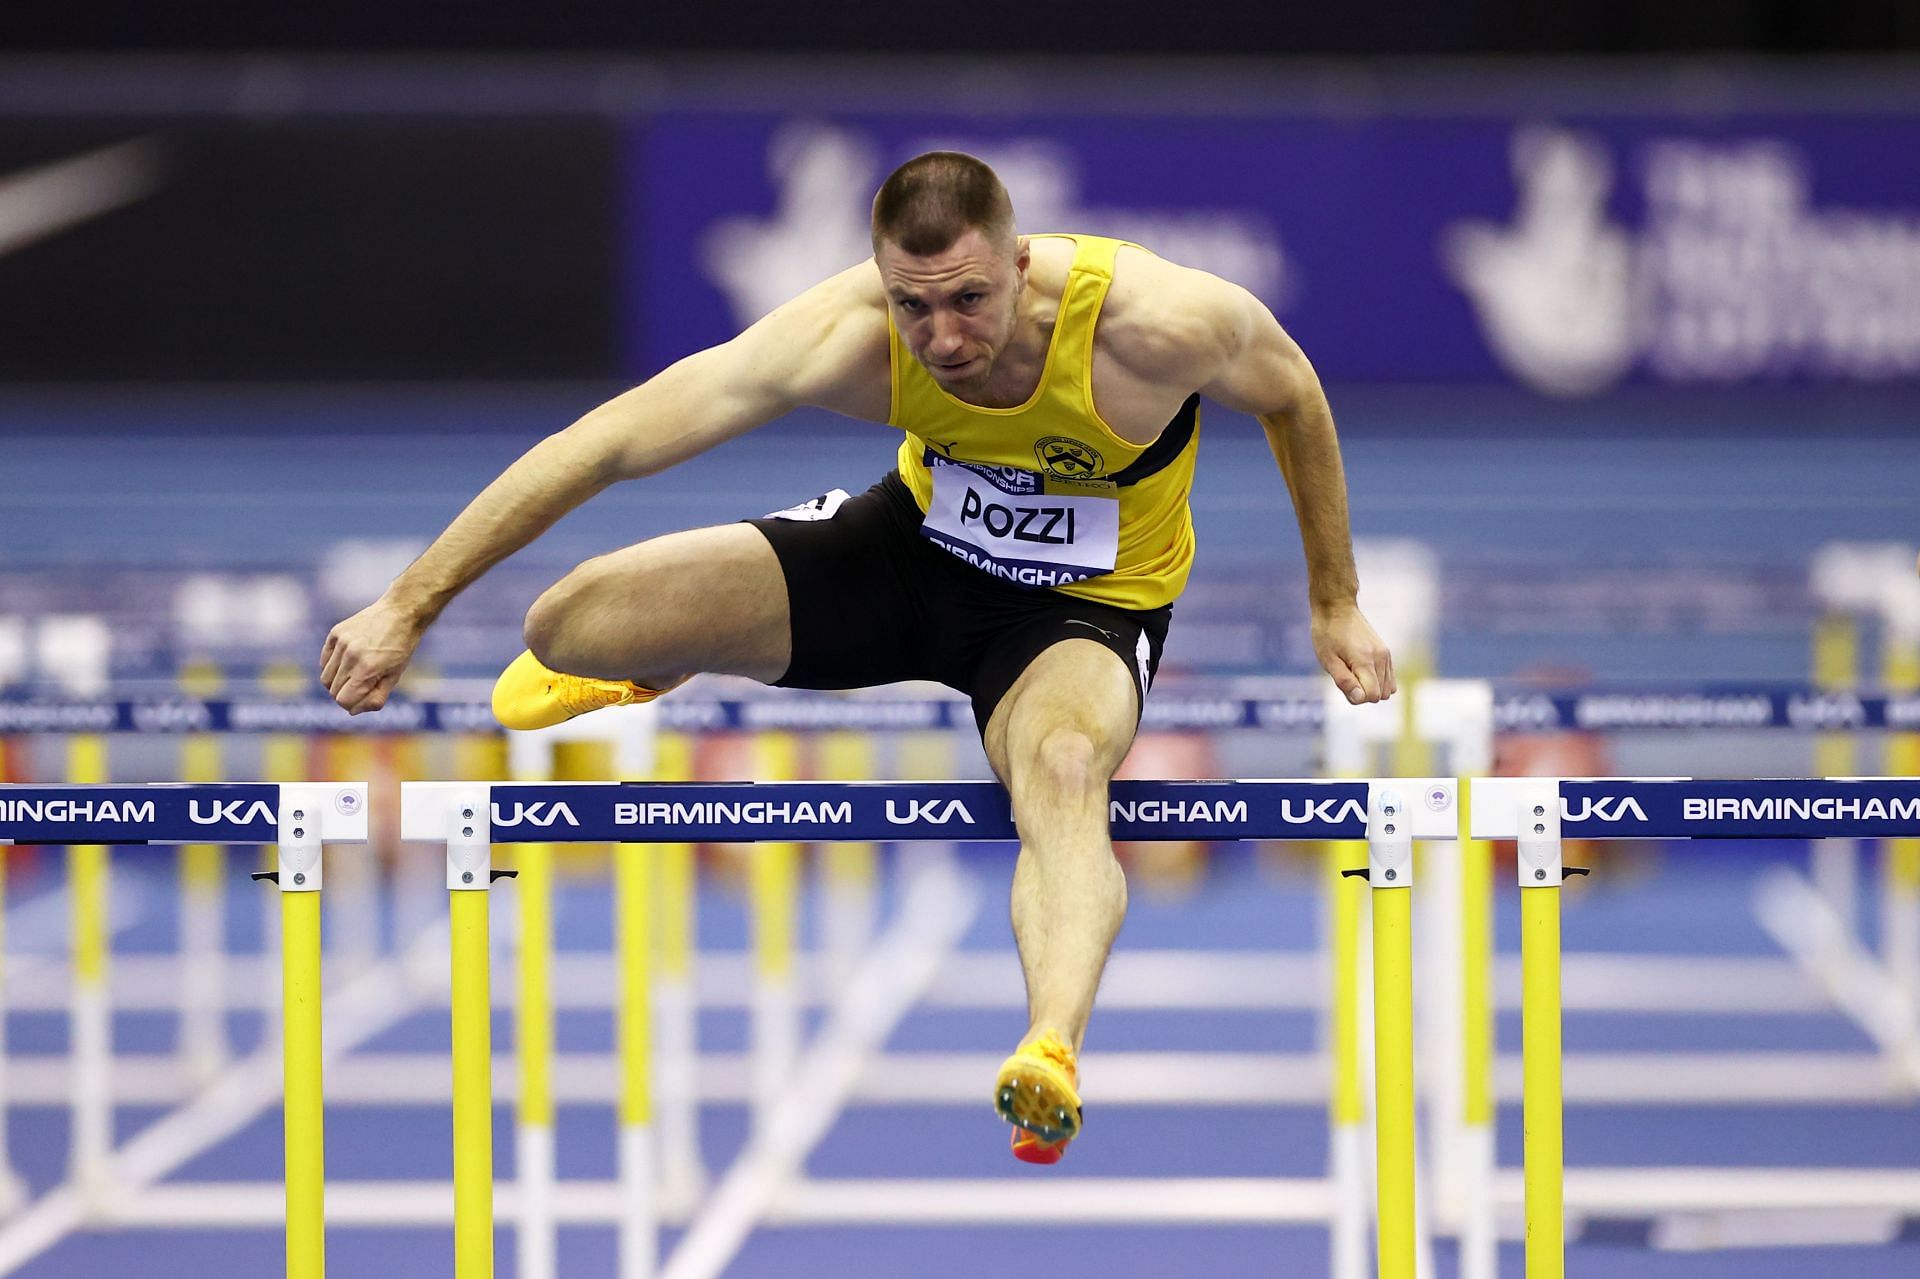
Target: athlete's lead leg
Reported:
point(1056, 739)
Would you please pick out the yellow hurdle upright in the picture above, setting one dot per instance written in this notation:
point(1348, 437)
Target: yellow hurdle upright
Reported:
point(1541, 872)
point(300, 869)
point(469, 872)
point(1542, 1105)
point(1393, 1078)
point(1390, 878)
point(304, 1126)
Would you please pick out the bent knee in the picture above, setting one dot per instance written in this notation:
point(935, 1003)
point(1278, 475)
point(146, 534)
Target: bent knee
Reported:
point(557, 621)
point(544, 629)
point(1067, 761)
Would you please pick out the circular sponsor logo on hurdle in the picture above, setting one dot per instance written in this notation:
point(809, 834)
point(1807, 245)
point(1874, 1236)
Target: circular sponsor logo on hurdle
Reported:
point(1439, 798)
point(347, 802)
point(1067, 459)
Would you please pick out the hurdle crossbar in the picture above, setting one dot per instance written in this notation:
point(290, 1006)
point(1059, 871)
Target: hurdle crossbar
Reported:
point(1539, 814)
point(779, 812)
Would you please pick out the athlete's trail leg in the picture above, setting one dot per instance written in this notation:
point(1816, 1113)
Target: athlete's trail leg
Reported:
point(1056, 739)
point(710, 599)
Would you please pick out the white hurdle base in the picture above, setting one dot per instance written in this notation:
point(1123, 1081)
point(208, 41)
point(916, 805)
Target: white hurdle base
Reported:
point(1708, 1209)
point(1126, 1079)
point(1660, 1192)
point(639, 1236)
point(1681, 1204)
point(535, 1245)
point(824, 1202)
point(1085, 1200)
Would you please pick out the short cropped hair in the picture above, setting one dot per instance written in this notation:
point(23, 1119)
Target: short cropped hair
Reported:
point(934, 199)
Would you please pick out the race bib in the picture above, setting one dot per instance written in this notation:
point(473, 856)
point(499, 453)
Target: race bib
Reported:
point(1001, 520)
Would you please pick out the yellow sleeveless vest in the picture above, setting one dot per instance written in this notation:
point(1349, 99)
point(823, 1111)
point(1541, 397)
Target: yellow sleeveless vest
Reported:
point(1045, 494)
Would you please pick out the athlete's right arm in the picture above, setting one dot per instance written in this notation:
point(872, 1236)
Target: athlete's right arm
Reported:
point(826, 347)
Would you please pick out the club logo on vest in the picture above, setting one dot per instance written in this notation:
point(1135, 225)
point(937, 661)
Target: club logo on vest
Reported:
point(1067, 459)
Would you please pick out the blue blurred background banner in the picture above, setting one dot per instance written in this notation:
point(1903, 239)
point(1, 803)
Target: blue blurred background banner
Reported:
point(1567, 252)
point(1478, 227)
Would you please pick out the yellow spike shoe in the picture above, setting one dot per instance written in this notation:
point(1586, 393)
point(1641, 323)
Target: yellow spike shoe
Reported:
point(1038, 1093)
point(528, 695)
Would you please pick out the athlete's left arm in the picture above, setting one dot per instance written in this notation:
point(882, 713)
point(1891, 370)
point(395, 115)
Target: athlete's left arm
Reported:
point(1249, 363)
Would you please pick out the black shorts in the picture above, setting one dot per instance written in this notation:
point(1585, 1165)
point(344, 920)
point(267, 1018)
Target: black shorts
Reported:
point(873, 602)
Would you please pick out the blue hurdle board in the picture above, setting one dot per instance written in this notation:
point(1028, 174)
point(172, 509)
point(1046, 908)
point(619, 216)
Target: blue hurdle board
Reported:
point(166, 813)
point(1700, 808)
point(750, 812)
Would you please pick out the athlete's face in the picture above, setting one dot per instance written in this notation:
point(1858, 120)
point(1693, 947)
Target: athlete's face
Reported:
point(957, 309)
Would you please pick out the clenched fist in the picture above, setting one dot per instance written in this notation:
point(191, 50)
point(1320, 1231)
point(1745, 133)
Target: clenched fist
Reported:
point(365, 655)
point(1352, 654)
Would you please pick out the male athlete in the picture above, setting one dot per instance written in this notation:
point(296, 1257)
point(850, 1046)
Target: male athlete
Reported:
point(1026, 551)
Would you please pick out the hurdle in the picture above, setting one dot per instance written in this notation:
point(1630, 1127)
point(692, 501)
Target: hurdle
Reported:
point(1539, 814)
point(298, 821)
point(1815, 922)
point(471, 819)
